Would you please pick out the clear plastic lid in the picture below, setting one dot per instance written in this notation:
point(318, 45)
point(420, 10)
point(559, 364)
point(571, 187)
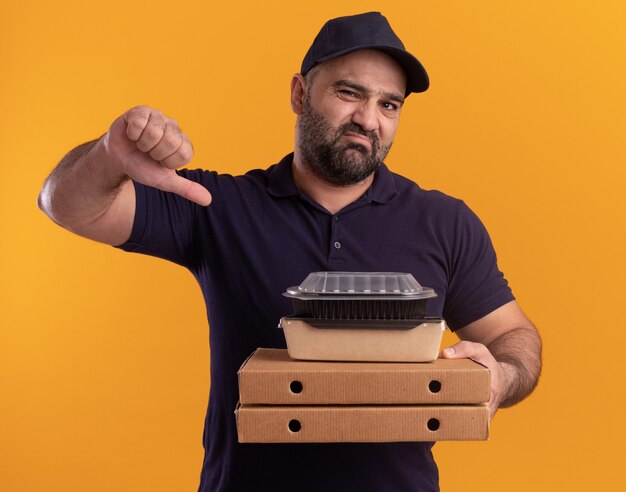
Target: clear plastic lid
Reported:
point(355, 285)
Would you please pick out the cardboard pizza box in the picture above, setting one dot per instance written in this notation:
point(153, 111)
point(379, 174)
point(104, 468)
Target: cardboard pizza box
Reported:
point(347, 423)
point(270, 376)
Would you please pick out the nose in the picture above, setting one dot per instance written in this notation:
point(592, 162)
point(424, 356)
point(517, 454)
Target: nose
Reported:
point(366, 116)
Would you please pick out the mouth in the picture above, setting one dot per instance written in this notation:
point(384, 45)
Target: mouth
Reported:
point(359, 139)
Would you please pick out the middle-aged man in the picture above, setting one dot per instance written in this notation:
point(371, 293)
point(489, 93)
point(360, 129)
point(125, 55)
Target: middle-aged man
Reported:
point(331, 205)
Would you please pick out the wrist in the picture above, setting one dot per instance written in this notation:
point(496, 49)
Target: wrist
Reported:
point(104, 163)
point(510, 379)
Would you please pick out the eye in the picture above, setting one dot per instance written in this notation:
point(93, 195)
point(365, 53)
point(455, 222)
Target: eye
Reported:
point(348, 93)
point(389, 106)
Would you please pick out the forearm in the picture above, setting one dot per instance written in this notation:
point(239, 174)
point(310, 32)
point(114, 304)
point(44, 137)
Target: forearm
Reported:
point(81, 188)
point(518, 352)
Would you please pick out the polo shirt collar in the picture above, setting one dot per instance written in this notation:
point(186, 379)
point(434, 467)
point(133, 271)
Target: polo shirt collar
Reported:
point(280, 181)
point(281, 184)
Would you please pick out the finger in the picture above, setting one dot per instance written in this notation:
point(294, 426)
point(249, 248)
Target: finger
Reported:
point(136, 120)
point(152, 133)
point(470, 350)
point(462, 349)
point(170, 142)
point(186, 188)
point(182, 156)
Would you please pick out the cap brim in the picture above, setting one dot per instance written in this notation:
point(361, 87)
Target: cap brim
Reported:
point(417, 78)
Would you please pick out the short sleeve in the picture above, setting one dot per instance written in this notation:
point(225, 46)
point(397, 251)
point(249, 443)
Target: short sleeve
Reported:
point(164, 224)
point(476, 285)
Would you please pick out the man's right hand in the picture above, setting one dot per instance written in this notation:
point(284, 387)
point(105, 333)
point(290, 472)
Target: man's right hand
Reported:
point(147, 146)
point(89, 192)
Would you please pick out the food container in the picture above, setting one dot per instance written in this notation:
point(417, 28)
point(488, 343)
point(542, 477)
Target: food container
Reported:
point(372, 341)
point(360, 295)
point(361, 316)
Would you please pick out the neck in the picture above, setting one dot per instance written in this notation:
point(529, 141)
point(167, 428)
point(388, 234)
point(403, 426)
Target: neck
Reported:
point(332, 198)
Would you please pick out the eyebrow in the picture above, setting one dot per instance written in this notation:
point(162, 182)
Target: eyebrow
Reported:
point(394, 96)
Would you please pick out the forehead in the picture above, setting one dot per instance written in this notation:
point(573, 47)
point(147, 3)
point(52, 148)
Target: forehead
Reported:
point(371, 68)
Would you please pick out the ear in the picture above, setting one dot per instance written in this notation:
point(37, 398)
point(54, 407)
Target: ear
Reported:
point(298, 93)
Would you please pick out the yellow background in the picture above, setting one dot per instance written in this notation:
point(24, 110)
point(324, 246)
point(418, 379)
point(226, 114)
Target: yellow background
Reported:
point(103, 355)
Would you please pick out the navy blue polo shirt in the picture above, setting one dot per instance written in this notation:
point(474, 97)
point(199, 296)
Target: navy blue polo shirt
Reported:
point(261, 235)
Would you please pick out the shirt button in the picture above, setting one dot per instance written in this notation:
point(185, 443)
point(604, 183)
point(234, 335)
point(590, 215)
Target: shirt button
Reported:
point(336, 218)
point(337, 244)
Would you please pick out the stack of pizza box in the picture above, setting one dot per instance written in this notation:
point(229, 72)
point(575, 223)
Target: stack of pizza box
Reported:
point(284, 400)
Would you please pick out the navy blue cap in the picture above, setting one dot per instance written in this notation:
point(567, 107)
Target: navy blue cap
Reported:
point(371, 30)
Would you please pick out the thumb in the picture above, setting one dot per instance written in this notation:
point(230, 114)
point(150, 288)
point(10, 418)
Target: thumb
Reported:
point(450, 352)
point(462, 350)
point(186, 188)
point(470, 350)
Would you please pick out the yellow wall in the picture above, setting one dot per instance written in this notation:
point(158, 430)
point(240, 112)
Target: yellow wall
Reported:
point(103, 355)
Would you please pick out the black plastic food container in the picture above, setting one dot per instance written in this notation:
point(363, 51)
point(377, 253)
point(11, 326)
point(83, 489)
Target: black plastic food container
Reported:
point(360, 295)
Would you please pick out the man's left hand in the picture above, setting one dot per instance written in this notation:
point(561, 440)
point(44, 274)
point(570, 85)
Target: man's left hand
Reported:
point(501, 373)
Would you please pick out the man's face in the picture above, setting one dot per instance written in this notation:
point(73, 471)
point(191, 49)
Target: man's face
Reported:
point(350, 116)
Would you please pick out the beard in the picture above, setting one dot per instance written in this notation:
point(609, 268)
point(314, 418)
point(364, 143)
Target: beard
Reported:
point(325, 156)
